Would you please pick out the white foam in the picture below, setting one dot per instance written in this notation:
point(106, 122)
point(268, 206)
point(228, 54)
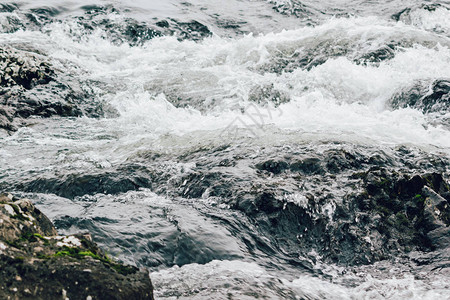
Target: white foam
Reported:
point(219, 279)
point(437, 20)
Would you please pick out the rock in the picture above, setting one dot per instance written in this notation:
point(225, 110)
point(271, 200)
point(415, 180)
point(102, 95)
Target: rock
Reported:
point(24, 75)
point(132, 32)
point(31, 87)
point(263, 94)
point(436, 209)
point(383, 53)
point(412, 15)
point(425, 96)
point(118, 31)
point(309, 166)
point(8, 7)
point(98, 18)
point(272, 166)
point(192, 30)
point(350, 205)
point(36, 263)
point(440, 237)
point(296, 8)
point(22, 70)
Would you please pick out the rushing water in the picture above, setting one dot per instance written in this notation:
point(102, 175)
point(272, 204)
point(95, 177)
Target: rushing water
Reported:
point(190, 112)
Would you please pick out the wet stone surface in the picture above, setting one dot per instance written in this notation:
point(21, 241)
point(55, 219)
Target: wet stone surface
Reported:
point(429, 97)
point(31, 87)
point(380, 207)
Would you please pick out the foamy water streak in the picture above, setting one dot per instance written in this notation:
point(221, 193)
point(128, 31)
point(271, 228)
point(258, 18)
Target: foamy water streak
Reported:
point(248, 279)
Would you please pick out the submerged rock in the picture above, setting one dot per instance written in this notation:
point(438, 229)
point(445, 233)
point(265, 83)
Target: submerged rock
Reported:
point(298, 9)
point(416, 15)
point(117, 30)
point(36, 263)
point(425, 96)
point(121, 30)
point(311, 52)
point(263, 94)
point(192, 30)
point(107, 20)
point(349, 205)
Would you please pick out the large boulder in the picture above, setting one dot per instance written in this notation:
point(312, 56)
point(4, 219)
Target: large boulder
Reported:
point(36, 263)
point(29, 87)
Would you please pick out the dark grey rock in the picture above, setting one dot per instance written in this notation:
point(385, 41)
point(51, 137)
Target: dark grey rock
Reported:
point(348, 204)
point(31, 87)
point(405, 14)
point(263, 94)
point(23, 76)
point(429, 97)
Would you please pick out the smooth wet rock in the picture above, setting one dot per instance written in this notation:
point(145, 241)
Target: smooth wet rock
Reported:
point(349, 205)
point(383, 53)
point(36, 263)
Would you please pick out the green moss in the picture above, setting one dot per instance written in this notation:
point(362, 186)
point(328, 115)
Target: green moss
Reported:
point(62, 253)
point(28, 237)
point(67, 251)
point(43, 256)
point(77, 254)
point(419, 198)
point(46, 242)
point(89, 253)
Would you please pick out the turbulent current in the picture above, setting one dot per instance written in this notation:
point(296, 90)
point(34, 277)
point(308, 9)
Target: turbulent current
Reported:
point(239, 149)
